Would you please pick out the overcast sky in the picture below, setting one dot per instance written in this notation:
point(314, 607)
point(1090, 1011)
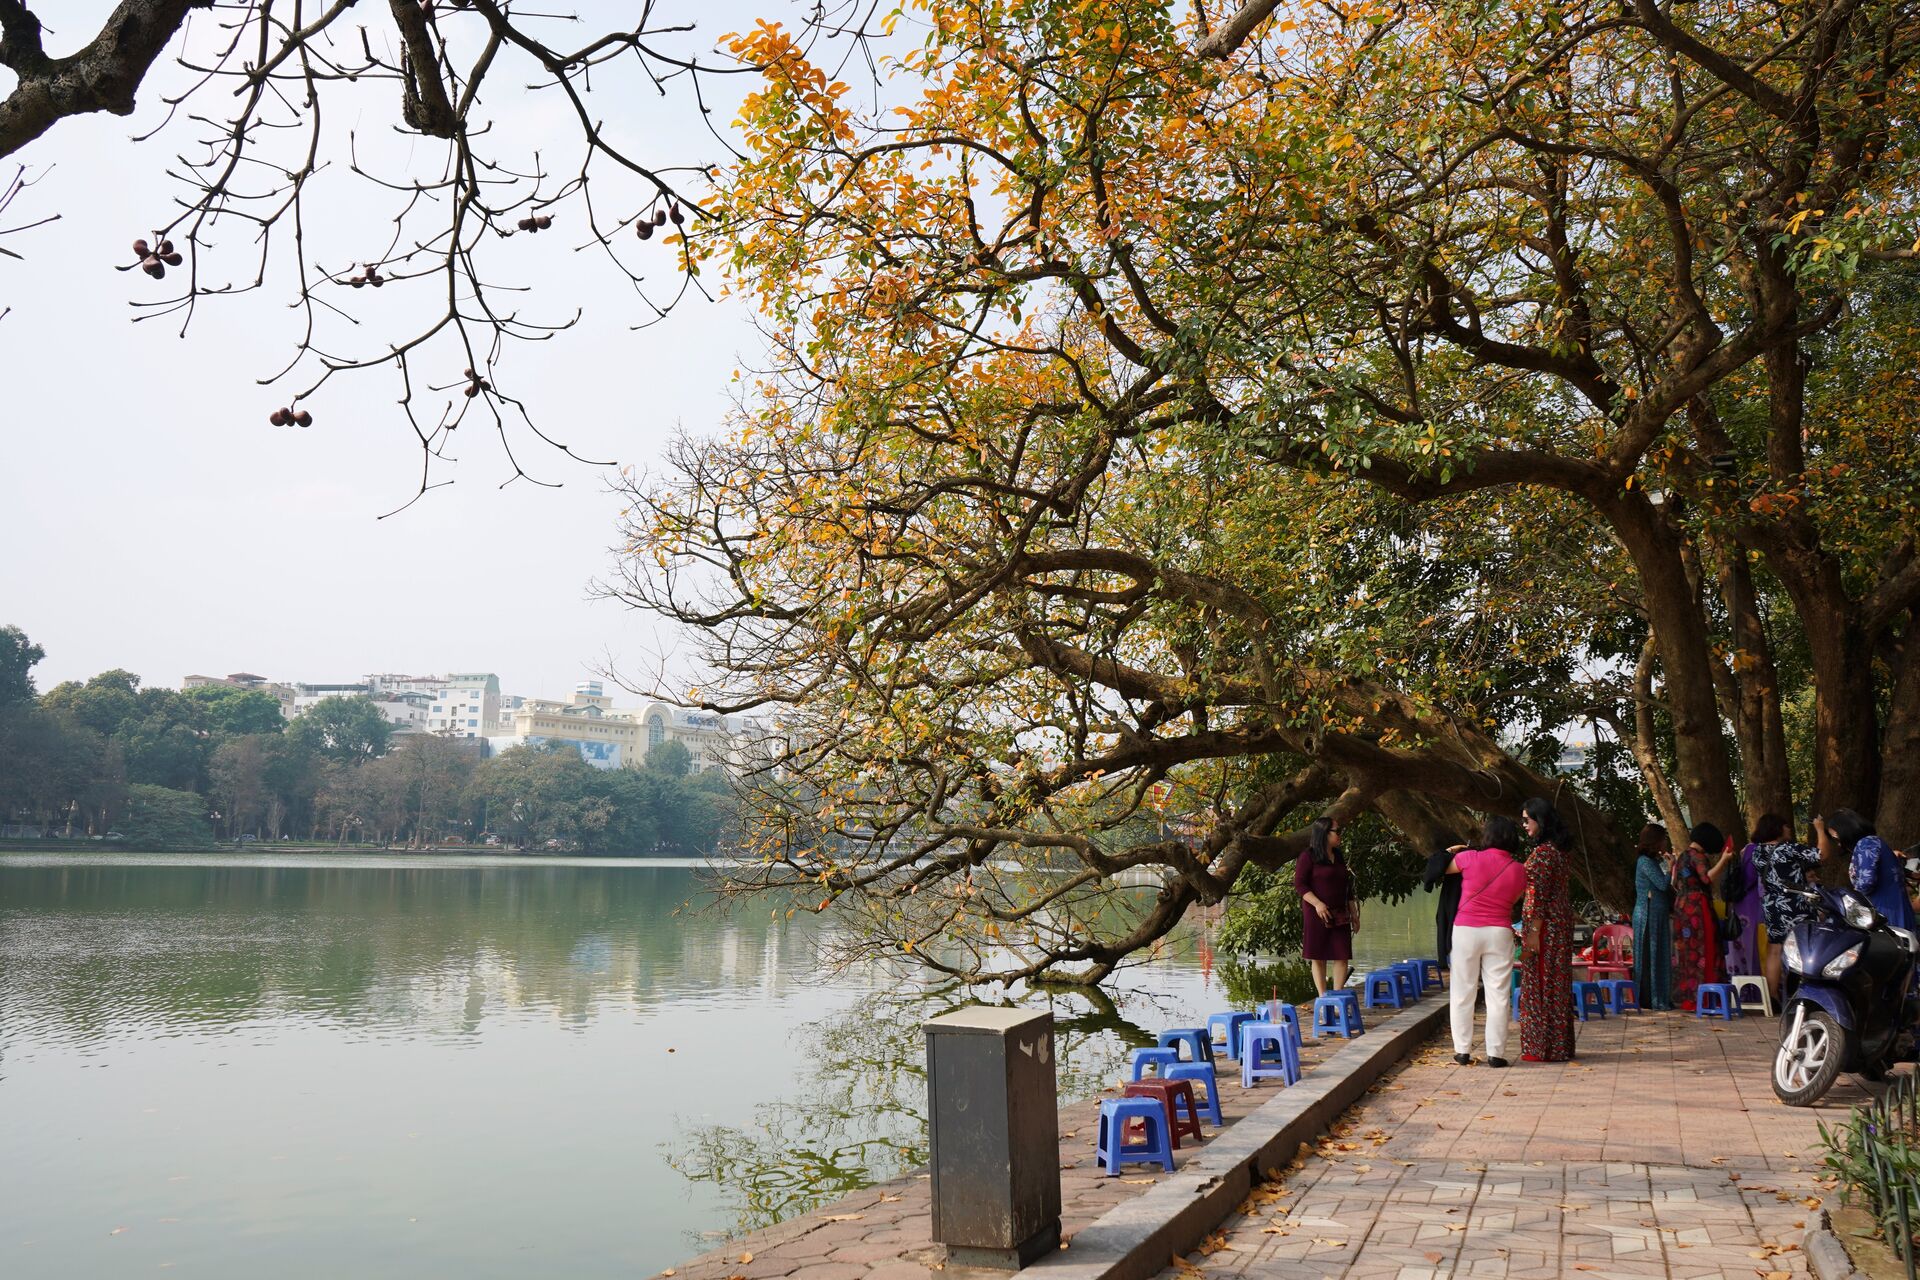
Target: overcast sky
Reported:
point(151, 518)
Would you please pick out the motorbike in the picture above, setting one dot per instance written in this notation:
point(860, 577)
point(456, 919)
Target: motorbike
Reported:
point(1855, 1006)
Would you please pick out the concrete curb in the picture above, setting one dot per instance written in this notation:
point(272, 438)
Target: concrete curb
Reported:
point(1138, 1239)
point(1825, 1254)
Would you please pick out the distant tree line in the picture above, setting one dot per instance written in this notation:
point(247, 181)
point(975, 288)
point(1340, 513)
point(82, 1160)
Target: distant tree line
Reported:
point(164, 768)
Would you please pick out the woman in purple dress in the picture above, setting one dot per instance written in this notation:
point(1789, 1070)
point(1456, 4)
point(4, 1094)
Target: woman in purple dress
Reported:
point(1742, 890)
point(1325, 887)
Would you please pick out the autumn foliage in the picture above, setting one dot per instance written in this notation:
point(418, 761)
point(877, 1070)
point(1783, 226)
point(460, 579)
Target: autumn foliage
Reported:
point(1240, 415)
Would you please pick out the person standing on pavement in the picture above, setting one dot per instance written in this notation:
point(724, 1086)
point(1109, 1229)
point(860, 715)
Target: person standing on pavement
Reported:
point(1653, 920)
point(1784, 866)
point(1325, 886)
point(1742, 891)
point(1491, 882)
point(1696, 932)
point(1546, 962)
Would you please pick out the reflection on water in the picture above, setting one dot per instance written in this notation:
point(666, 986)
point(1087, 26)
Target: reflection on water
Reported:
point(403, 1066)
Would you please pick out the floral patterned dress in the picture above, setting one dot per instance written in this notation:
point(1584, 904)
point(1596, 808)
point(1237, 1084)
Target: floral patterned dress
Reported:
point(1546, 985)
point(1696, 937)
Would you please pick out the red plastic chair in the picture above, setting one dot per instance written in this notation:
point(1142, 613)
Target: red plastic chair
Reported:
point(1612, 952)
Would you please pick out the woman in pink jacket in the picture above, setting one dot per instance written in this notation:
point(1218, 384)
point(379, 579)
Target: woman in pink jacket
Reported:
point(1492, 880)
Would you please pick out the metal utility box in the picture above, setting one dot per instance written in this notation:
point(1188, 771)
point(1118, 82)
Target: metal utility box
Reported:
point(995, 1119)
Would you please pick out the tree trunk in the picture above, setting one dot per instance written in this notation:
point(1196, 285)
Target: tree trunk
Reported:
point(1768, 785)
point(1899, 816)
point(1645, 745)
point(1704, 771)
point(1846, 721)
point(1429, 825)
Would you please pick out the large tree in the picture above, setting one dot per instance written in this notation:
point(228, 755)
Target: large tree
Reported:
point(1301, 407)
point(18, 656)
point(343, 730)
point(160, 733)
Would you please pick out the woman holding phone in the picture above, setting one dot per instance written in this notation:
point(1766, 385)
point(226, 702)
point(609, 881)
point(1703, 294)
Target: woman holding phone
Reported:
point(1325, 886)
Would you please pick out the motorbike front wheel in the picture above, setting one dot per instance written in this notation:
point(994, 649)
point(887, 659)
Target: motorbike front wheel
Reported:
point(1812, 1049)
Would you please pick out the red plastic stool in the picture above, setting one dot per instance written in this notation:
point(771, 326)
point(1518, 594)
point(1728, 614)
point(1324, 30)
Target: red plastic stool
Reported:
point(1170, 1093)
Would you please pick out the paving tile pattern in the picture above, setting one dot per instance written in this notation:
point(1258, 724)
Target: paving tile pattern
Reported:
point(886, 1231)
point(1660, 1152)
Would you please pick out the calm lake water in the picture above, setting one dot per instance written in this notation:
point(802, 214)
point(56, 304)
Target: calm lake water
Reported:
point(424, 1066)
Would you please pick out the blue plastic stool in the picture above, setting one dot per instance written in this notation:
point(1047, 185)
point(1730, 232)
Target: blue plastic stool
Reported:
point(1726, 1003)
point(1413, 983)
point(1224, 1030)
point(1272, 1051)
point(1199, 1043)
point(1158, 1059)
point(1201, 1073)
point(1429, 972)
point(1339, 1013)
point(1588, 1000)
point(1620, 993)
point(1383, 987)
point(1110, 1146)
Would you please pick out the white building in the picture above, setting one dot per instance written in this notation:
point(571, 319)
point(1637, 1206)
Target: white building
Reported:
point(466, 705)
point(610, 739)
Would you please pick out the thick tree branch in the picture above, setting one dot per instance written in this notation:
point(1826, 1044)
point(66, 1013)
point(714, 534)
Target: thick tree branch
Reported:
point(1233, 33)
point(104, 76)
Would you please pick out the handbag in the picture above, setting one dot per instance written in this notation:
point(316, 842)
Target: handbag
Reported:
point(1530, 934)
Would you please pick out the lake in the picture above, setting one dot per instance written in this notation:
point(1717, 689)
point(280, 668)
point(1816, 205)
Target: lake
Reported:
point(395, 1065)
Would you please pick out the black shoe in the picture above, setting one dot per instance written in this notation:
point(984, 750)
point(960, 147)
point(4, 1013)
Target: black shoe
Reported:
point(1496, 1062)
point(1464, 1059)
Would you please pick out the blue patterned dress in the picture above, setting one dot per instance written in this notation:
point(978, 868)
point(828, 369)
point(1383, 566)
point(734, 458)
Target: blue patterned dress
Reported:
point(1652, 934)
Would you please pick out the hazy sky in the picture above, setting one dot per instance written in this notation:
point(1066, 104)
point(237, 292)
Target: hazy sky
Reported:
point(151, 518)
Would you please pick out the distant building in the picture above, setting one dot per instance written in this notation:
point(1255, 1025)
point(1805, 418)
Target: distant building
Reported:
point(470, 706)
point(390, 685)
point(604, 738)
point(466, 705)
point(610, 739)
point(707, 736)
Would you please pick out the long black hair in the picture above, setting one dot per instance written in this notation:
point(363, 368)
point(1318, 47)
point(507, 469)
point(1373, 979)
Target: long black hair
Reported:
point(1848, 827)
point(1710, 838)
point(1552, 830)
point(1318, 836)
point(1499, 832)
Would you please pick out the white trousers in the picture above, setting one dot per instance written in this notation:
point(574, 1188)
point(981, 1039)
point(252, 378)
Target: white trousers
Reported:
point(1482, 953)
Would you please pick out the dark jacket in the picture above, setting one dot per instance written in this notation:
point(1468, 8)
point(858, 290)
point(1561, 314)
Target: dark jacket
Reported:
point(1447, 905)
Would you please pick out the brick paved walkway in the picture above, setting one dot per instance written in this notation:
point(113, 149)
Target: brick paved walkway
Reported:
point(886, 1231)
point(1661, 1152)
